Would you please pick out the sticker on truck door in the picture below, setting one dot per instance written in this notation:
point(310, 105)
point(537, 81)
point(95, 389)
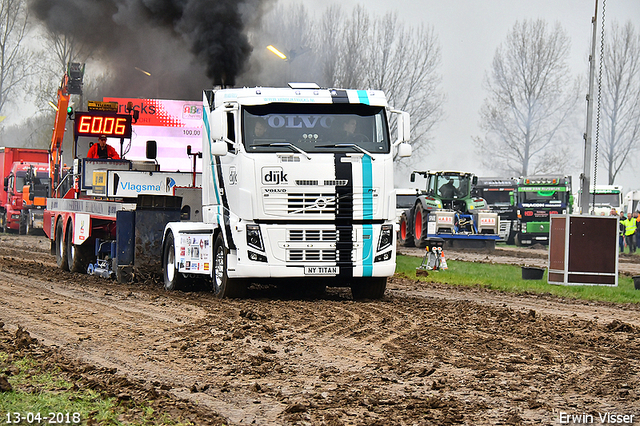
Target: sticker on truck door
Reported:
point(321, 270)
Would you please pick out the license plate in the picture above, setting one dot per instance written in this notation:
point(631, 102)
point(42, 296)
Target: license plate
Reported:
point(321, 270)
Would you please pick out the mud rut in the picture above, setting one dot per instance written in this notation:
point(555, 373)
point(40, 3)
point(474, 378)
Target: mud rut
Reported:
point(425, 354)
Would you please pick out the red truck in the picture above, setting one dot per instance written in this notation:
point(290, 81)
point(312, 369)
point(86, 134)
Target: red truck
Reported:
point(20, 167)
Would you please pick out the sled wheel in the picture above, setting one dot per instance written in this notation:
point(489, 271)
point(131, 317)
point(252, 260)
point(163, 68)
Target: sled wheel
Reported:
point(61, 248)
point(78, 256)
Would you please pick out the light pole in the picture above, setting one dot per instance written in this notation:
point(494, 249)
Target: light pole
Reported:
point(155, 79)
point(289, 57)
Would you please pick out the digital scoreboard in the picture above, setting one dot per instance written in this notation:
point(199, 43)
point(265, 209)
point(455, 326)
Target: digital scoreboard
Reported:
point(96, 123)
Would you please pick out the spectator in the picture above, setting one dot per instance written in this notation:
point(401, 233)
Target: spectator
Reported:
point(630, 227)
point(621, 231)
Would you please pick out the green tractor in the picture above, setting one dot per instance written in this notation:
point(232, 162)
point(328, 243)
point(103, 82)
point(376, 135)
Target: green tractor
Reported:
point(449, 209)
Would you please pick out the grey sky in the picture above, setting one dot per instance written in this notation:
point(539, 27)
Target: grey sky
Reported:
point(469, 32)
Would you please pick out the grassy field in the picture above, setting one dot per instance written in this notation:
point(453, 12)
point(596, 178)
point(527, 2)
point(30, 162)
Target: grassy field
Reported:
point(509, 278)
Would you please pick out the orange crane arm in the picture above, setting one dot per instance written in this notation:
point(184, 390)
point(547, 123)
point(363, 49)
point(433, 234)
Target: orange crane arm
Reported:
point(55, 169)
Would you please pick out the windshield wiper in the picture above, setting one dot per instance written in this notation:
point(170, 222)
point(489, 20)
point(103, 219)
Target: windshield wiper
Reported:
point(285, 145)
point(348, 145)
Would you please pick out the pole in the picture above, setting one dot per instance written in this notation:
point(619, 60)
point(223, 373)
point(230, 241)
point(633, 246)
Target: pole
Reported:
point(585, 178)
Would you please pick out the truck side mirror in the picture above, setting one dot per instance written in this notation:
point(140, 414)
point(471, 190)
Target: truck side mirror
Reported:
point(404, 150)
point(217, 125)
point(219, 148)
point(152, 150)
point(474, 181)
point(404, 126)
point(413, 177)
point(6, 183)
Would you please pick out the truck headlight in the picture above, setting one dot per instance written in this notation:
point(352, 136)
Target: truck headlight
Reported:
point(254, 237)
point(386, 237)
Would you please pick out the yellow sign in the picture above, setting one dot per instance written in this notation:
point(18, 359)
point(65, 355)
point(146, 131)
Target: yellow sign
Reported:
point(2, 117)
point(102, 106)
point(100, 182)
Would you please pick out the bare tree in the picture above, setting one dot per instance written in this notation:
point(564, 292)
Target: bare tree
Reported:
point(14, 57)
point(404, 62)
point(531, 98)
point(620, 118)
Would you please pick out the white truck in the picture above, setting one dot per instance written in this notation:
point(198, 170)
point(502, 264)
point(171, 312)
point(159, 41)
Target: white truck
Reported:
point(632, 202)
point(294, 190)
point(606, 197)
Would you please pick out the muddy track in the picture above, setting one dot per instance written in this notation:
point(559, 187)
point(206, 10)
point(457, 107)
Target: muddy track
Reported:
point(425, 354)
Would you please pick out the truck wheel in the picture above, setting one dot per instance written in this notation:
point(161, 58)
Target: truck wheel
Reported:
point(61, 248)
point(223, 286)
point(78, 256)
point(3, 222)
point(173, 280)
point(420, 226)
point(517, 240)
point(22, 227)
point(368, 288)
point(404, 235)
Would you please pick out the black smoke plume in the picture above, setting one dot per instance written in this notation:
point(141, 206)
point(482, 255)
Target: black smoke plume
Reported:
point(186, 45)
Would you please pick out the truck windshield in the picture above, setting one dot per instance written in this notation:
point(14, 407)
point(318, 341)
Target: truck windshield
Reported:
point(315, 128)
point(496, 198)
point(452, 186)
point(544, 196)
point(612, 200)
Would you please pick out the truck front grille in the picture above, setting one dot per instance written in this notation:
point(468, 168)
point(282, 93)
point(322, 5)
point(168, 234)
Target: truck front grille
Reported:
point(311, 204)
point(312, 235)
point(311, 255)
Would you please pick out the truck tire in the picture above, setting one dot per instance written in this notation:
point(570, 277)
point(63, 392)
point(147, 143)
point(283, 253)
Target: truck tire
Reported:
point(223, 286)
point(173, 280)
point(22, 225)
point(368, 288)
point(517, 240)
point(405, 238)
point(61, 248)
point(3, 222)
point(420, 217)
point(78, 256)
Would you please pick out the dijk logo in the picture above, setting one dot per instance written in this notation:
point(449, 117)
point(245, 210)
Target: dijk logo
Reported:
point(274, 176)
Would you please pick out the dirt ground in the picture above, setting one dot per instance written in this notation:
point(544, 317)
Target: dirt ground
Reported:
point(426, 354)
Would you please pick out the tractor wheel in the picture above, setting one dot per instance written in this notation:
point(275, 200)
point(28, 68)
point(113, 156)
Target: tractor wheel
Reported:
point(368, 288)
point(173, 280)
point(223, 286)
point(420, 217)
point(61, 248)
point(404, 235)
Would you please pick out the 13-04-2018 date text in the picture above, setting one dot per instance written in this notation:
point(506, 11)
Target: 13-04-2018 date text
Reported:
point(38, 418)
